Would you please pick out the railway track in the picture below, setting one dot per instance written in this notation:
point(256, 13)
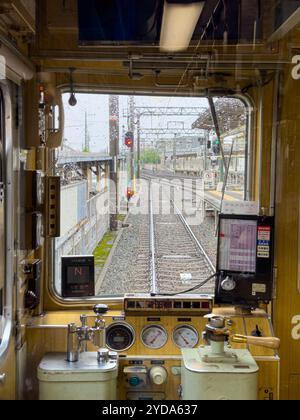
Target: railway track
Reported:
point(168, 180)
point(160, 252)
point(177, 259)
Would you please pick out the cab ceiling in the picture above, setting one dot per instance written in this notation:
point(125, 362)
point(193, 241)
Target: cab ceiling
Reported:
point(212, 59)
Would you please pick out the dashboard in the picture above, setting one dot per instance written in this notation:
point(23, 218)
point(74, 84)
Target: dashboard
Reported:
point(153, 325)
point(148, 334)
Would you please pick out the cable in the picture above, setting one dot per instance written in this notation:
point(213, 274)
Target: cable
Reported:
point(190, 290)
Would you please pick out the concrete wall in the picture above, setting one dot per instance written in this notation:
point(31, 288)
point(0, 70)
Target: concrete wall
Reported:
point(84, 224)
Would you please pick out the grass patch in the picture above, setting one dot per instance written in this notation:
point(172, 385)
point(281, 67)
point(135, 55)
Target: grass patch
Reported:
point(121, 217)
point(101, 253)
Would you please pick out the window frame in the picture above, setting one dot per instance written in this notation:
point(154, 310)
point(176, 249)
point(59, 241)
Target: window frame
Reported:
point(116, 301)
point(8, 218)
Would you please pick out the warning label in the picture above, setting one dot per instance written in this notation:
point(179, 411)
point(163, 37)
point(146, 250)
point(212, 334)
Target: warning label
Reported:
point(264, 233)
point(258, 288)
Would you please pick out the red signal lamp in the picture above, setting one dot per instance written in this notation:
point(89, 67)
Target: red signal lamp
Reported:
point(128, 142)
point(130, 193)
point(129, 139)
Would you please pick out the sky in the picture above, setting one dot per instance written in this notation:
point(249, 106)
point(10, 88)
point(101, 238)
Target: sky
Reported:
point(97, 108)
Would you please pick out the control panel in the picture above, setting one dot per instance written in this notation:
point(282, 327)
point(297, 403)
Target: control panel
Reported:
point(141, 304)
point(245, 260)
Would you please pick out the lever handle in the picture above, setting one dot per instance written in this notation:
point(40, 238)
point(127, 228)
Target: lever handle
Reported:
point(267, 342)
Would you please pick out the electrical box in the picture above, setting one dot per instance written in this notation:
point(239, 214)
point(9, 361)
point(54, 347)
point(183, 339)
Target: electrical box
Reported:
point(78, 276)
point(245, 260)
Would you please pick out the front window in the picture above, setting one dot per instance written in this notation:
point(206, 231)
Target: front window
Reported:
point(142, 181)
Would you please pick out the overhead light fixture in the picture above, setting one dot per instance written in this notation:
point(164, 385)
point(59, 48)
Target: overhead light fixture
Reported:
point(179, 23)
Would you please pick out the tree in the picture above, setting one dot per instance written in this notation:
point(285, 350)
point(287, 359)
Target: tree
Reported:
point(150, 156)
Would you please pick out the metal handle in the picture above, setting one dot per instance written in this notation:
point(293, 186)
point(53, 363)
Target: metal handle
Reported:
point(2, 378)
point(267, 342)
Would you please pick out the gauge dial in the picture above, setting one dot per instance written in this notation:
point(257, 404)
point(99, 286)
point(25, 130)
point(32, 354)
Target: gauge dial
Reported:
point(154, 336)
point(120, 336)
point(185, 337)
point(228, 284)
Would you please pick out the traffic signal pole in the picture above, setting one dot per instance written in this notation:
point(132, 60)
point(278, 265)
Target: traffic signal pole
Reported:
point(131, 129)
point(114, 153)
point(139, 148)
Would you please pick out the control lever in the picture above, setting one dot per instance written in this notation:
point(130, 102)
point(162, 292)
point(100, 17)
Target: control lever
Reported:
point(267, 342)
point(78, 337)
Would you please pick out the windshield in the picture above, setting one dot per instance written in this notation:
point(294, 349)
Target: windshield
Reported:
point(142, 183)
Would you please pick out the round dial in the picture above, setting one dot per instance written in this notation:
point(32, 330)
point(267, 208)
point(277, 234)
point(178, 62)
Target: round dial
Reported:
point(185, 337)
point(154, 336)
point(120, 337)
point(228, 284)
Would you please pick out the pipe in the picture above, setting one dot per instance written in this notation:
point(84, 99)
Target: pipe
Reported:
point(274, 142)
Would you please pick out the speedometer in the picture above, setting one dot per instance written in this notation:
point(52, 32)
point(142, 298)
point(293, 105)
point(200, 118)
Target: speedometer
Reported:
point(120, 336)
point(154, 336)
point(185, 336)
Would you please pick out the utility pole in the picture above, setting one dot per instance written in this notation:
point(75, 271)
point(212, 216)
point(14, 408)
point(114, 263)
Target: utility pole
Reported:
point(131, 129)
point(174, 155)
point(114, 153)
point(86, 134)
point(139, 147)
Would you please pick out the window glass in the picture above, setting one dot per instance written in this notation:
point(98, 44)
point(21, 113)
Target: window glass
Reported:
point(172, 143)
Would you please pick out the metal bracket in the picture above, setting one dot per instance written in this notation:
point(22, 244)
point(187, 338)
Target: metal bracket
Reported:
point(1, 192)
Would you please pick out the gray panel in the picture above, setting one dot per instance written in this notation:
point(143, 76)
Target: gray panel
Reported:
point(81, 200)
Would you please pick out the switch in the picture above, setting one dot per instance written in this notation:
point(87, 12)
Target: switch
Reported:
point(134, 381)
point(158, 375)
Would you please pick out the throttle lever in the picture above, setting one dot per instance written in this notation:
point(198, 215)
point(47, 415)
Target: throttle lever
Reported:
point(267, 342)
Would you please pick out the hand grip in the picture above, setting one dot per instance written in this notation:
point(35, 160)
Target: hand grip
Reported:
point(267, 342)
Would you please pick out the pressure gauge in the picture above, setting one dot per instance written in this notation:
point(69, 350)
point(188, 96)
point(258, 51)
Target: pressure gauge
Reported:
point(185, 336)
point(228, 284)
point(154, 336)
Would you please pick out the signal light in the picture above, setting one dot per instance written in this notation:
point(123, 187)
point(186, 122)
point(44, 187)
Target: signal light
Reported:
point(129, 139)
point(130, 193)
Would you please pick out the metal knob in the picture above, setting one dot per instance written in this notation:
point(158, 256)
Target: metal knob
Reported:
point(2, 378)
point(100, 309)
point(103, 356)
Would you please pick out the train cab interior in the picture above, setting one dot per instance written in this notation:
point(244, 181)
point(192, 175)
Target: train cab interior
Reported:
point(149, 200)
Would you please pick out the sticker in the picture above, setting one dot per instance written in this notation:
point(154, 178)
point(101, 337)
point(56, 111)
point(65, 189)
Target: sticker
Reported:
point(263, 254)
point(263, 249)
point(259, 288)
point(263, 243)
point(264, 233)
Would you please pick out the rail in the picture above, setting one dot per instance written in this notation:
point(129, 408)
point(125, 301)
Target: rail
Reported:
point(165, 181)
point(154, 286)
point(193, 236)
point(153, 254)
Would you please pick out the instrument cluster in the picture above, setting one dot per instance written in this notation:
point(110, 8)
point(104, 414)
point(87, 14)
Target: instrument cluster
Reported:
point(152, 332)
point(121, 336)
